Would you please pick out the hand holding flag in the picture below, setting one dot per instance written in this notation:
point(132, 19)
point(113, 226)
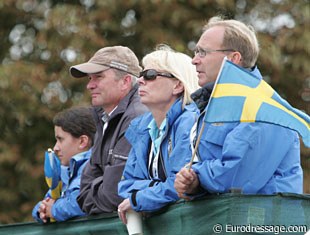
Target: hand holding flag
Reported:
point(52, 171)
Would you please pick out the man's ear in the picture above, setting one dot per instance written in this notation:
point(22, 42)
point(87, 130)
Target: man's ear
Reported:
point(235, 57)
point(126, 82)
point(178, 88)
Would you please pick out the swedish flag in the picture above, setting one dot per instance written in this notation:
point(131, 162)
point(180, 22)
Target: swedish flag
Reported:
point(52, 171)
point(238, 95)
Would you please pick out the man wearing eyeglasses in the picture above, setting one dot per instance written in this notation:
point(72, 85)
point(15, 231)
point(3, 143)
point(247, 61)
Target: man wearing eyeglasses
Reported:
point(254, 158)
point(112, 73)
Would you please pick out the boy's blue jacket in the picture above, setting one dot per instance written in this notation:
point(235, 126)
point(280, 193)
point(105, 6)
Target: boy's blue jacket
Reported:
point(66, 206)
point(144, 193)
point(257, 158)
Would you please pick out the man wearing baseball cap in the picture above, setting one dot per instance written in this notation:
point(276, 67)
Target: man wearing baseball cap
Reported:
point(112, 73)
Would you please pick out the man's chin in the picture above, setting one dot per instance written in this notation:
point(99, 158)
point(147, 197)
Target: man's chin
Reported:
point(95, 103)
point(201, 82)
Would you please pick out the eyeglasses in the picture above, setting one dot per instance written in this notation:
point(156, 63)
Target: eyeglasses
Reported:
point(151, 74)
point(201, 52)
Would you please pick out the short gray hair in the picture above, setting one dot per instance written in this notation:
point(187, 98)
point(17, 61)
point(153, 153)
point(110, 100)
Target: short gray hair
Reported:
point(120, 74)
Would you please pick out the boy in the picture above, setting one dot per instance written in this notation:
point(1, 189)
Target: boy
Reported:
point(74, 132)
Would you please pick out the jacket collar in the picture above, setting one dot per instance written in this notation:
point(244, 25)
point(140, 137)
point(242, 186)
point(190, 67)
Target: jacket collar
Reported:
point(202, 95)
point(77, 160)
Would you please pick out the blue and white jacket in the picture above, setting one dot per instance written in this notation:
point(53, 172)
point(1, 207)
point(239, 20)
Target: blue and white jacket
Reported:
point(256, 158)
point(144, 193)
point(66, 206)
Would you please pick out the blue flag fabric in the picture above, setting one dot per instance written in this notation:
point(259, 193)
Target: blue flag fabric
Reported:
point(240, 96)
point(52, 171)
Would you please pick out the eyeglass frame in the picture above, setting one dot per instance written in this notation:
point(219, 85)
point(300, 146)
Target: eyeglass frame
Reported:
point(205, 51)
point(155, 75)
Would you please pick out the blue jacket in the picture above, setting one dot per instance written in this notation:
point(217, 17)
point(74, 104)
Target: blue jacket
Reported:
point(257, 158)
point(66, 206)
point(144, 193)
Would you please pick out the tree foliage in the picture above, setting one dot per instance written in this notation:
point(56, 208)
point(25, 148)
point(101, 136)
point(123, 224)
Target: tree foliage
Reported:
point(41, 39)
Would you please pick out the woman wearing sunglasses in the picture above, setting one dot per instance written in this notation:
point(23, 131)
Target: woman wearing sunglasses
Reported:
point(159, 138)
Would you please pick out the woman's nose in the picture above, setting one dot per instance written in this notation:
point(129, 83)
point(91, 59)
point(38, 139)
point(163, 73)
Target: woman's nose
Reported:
point(141, 80)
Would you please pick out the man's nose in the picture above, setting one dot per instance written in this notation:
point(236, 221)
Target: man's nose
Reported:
point(196, 60)
point(91, 84)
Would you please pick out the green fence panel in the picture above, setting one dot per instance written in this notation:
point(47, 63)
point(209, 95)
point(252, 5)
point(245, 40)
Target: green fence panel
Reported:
point(216, 214)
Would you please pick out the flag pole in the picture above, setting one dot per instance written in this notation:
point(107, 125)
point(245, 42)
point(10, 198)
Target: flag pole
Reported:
point(203, 123)
point(189, 166)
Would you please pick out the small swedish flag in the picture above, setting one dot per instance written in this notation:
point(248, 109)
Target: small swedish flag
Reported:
point(52, 171)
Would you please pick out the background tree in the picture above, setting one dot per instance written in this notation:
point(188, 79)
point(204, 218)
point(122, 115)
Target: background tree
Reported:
point(41, 39)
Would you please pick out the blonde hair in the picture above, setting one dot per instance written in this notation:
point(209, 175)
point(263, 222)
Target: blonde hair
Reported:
point(239, 37)
point(176, 63)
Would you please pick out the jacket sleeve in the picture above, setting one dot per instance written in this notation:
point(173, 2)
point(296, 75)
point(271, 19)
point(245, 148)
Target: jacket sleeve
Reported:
point(66, 207)
point(35, 213)
point(246, 156)
point(135, 176)
point(35, 210)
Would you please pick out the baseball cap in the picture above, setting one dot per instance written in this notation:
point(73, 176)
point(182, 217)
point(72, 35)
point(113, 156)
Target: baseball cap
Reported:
point(118, 57)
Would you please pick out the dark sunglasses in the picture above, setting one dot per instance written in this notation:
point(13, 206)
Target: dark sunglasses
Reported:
point(151, 74)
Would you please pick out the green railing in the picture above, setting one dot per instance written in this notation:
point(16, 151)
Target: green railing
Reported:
point(216, 214)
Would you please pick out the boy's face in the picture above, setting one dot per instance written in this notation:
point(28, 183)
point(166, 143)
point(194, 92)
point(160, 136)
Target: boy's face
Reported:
point(66, 145)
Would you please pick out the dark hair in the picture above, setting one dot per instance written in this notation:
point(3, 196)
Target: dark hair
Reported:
point(77, 121)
